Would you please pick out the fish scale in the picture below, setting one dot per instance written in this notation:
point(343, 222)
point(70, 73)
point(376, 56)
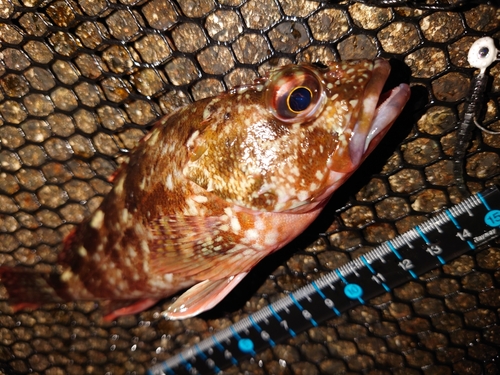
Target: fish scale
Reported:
point(449, 234)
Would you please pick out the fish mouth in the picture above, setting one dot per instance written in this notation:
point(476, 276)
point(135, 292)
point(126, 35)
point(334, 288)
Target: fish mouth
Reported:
point(379, 112)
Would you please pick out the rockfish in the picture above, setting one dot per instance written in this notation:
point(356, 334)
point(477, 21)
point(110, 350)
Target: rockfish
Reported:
point(216, 186)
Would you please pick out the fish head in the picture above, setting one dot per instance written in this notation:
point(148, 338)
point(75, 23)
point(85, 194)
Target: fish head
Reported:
point(289, 140)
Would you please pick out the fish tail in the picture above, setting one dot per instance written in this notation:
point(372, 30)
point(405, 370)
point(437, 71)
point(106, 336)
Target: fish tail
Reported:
point(27, 288)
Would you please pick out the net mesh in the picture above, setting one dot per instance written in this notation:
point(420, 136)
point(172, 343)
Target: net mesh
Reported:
point(81, 82)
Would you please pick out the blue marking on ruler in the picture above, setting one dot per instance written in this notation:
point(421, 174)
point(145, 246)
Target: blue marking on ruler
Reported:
point(313, 322)
point(205, 358)
point(324, 297)
point(341, 277)
point(483, 201)
point(217, 344)
point(369, 266)
point(291, 331)
point(219, 347)
point(492, 218)
point(245, 345)
point(186, 364)
point(452, 218)
point(422, 234)
point(393, 249)
point(352, 291)
point(202, 355)
point(427, 242)
point(257, 327)
point(166, 369)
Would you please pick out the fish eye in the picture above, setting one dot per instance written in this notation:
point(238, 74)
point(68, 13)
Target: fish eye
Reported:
point(299, 99)
point(294, 94)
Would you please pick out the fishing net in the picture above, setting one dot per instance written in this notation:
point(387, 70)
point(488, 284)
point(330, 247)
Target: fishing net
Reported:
point(82, 81)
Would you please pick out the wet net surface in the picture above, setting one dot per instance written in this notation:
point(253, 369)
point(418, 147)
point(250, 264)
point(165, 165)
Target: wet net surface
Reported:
point(81, 81)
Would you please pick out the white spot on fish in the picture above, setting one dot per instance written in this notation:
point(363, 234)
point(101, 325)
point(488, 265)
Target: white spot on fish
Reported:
point(303, 195)
point(142, 184)
point(169, 183)
point(145, 247)
point(242, 89)
point(154, 137)
point(131, 251)
point(192, 209)
point(192, 138)
point(251, 235)
point(97, 219)
point(206, 112)
point(271, 238)
point(235, 224)
point(66, 275)
point(119, 185)
point(124, 217)
point(200, 198)
point(82, 251)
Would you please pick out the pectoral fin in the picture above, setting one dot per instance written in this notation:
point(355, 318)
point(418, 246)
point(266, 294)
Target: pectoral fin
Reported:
point(201, 297)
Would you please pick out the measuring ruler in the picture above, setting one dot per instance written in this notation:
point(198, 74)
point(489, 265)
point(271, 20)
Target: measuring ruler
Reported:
point(449, 234)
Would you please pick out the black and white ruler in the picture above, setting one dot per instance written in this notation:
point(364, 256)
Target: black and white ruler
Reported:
point(449, 234)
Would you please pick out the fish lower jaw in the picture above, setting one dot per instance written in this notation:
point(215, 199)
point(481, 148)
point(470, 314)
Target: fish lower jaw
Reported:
point(389, 108)
point(383, 115)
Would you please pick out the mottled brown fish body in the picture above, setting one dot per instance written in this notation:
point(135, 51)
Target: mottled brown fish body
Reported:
point(223, 182)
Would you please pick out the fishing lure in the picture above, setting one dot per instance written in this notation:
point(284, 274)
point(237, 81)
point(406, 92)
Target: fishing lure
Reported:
point(481, 55)
point(218, 185)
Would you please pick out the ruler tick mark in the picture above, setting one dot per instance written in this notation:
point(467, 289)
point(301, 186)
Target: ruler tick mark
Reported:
point(282, 321)
point(265, 336)
point(305, 313)
point(376, 277)
point(452, 218)
point(328, 301)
